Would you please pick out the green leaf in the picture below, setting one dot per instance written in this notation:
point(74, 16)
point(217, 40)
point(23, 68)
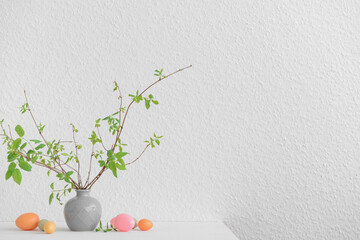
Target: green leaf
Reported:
point(52, 186)
point(68, 174)
point(12, 165)
point(40, 146)
point(121, 161)
point(23, 146)
point(121, 154)
point(35, 141)
point(112, 167)
point(9, 173)
point(49, 150)
point(116, 86)
point(19, 130)
point(147, 104)
point(109, 153)
point(30, 152)
point(94, 138)
point(11, 157)
point(157, 141)
point(121, 167)
point(61, 176)
point(25, 166)
point(17, 176)
point(48, 173)
point(155, 102)
point(24, 108)
point(51, 198)
point(41, 128)
point(15, 145)
point(34, 158)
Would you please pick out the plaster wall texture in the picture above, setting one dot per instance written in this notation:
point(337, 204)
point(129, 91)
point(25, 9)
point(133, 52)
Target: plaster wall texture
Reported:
point(262, 133)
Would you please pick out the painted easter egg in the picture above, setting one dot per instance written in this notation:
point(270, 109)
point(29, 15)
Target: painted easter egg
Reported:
point(27, 221)
point(123, 222)
point(42, 223)
point(49, 227)
point(145, 224)
point(136, 223)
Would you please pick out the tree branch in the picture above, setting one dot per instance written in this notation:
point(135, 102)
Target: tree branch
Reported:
point(97, 128)
point(123, 122)
point(42, 136)
point(92, 154)
point(47, 166)
point(77, 156)
point(139, 155)
point(33, 118)
point(10, 131)
point(127, 110)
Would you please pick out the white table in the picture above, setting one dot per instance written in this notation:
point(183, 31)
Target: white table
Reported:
point(160, 231)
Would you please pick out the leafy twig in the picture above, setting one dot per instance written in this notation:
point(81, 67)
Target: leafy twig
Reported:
point(76, 154)
point(105, 229)
point(124, 119)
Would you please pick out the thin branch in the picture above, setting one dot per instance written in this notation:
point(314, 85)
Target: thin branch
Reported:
point(67, 165)
point(101, 139)
point(118, 131)
point(62, 194)
point(65, 141)
point(139, 155)
point(42, 136)
point(77, 156)
point(60, 190)
point(92, 154)
point(33, 118)
point(2, 128)
point(10, 131)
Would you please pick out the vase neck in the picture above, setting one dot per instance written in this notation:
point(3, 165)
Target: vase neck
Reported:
point(82, 193)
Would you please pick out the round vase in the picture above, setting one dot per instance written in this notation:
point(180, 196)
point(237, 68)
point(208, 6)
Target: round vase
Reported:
point(82, 212)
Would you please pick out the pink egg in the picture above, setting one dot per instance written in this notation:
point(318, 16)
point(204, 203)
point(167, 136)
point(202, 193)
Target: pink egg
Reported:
point(123, 222)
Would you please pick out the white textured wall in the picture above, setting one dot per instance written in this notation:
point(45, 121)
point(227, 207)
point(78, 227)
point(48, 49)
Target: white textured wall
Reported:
point(262, 133)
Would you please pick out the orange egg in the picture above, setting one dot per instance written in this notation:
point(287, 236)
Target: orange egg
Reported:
point(49, 227)
point(27, 221)
point(145, 224)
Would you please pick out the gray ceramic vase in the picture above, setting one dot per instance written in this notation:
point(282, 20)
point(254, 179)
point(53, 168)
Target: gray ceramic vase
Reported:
point(82, 212)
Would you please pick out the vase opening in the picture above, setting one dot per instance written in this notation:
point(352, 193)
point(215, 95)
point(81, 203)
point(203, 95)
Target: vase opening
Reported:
point(82, 192)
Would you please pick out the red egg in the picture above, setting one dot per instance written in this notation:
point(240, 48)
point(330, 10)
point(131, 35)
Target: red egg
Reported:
point(27, 221)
